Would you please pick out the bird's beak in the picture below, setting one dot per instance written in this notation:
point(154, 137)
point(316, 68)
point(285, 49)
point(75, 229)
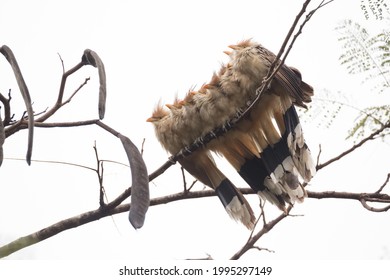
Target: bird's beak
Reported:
point(151, 119)
point(170, 106)
point(234, 47)
point(229, 53)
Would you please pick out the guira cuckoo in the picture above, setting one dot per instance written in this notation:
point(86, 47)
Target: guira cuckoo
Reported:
point(266, 147)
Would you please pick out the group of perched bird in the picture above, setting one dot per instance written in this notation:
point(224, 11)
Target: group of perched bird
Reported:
point(266, 146)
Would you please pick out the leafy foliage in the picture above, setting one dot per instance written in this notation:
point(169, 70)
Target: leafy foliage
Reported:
point(369, 56)
point(371, 119)
point(374, 8)
point(325, 109)
point(366, 54)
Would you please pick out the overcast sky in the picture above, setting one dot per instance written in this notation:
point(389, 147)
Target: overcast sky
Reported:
point(157, 49)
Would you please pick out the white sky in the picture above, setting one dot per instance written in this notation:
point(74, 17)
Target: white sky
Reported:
point(156, 49)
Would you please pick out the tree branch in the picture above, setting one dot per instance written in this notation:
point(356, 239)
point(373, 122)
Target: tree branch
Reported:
point(265, 229)
point(7, 108)
point(372, 136)
point(115, 207)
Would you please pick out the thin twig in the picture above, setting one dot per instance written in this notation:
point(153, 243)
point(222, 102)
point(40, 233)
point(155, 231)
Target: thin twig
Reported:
point(62, 63)
point(384, 184)
point(15, 127)
point(263, 249)
point(143, 146)
point(58, 103)
point(372, 197)
point(99, 172)
point(65, 124)
point(76, 91)
point(7, 108)
point(262, 204)
point(56, 162)
point(192, 185)
point(354, 147)
point(373, 209)
point(183, 175)
point(265, 229)
point(319, 154)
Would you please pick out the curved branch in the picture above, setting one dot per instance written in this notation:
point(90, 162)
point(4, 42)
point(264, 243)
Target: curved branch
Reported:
point(265, 229)
point(87, 217)
point(114, 208)
point(7, 108)
point(354, 147)
point(373, 209)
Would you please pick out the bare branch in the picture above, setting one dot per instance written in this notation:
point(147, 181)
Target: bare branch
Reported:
point(384, 184)
point(183, 175)
point(372, 136)
point(60, 97)
point(192, 184)
point(66, 124)
point(62, 63)
point(373, 209)
point(143, 146)
point(263, 249)
point(308, 17)
point(161, 169)
point(319, 154)
point(372, 197)
point(76, 91)
point(115, 207)
point(266, 228)
point(7, 108)
point(100, 173)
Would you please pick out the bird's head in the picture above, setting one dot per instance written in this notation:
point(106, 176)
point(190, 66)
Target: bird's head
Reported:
point(214, 82)
point(188, 99)
point(176, 106)
point(242, 45)
point(159, 114)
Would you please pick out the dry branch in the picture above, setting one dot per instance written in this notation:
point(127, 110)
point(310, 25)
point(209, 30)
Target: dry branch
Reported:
point(7, 108)
point(110, 209)
point(372, 136)
point(115, 207)
point(253, 239)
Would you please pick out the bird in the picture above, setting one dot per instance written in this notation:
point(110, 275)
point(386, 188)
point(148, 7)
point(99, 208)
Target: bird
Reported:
point(266, 146)
point(200, 164)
